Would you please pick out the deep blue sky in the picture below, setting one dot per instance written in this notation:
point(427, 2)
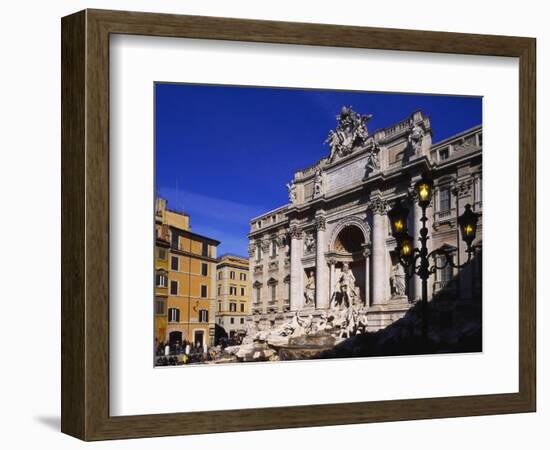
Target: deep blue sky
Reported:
point(225, 153)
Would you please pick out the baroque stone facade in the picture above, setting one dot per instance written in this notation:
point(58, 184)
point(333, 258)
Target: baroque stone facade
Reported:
point(331, 244)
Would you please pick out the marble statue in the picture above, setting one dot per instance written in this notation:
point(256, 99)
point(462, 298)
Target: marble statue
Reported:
point(397, 281)
point(350, 134)
point(309, 243)
point(416, 133)
point(346, 288)
point(373, 159)
point(310, 290)
point(292, 192)
point(318, 183)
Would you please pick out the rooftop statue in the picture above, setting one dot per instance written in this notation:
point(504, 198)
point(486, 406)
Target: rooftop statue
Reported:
point(351, 133)
point(291, 192)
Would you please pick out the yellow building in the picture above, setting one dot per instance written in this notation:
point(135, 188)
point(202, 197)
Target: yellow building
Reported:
point(233, 293)
point(185, 281)
point(162, 249)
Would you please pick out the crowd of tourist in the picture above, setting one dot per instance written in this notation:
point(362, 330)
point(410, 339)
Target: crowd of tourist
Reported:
point(176, 353)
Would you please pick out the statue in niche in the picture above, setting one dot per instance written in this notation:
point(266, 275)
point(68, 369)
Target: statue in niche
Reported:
point(397, 281)
point(346, 293)
point(309, 243)
point(318, 183)
point(292, 192)
point(309, 292)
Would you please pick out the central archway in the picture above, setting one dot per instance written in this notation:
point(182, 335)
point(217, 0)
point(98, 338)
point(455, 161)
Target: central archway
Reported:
point(347, 233)
point(349, 240)
point(348, 244)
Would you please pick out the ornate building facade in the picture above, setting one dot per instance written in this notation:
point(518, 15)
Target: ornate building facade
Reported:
point(332, 243)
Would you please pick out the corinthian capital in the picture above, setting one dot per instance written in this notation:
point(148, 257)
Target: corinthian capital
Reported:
point(320, 223)
point(378, 206)
point(296, 232)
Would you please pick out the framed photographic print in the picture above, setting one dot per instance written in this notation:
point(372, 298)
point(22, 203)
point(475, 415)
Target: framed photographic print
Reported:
point(322, 224)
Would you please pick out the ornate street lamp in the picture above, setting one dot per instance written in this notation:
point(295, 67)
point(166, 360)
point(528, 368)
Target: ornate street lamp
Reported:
point(417, 260)
point(424, 190)
point(468, 225)
point(398, 219)
point(405, 245)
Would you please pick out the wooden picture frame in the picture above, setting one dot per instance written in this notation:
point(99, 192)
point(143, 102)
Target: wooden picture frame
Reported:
point(85, 224)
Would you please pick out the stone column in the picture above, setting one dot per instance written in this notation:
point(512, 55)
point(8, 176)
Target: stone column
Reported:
point(296, 270)
point(366, 254)
point(321, 276)
point(331, 263)
point(379, 252)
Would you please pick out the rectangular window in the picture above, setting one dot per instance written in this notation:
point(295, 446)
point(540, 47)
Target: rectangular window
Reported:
point(173, 287)
point(273, 292)
point(162, 254)
point(232, 290)
point(258, 294)
point(242, 292)
point(243, 276)
point(160, 306)
point(242, 307)
point(232, 275)
point(220, 275)
point(232, 307)
point(204, 290)
point(173, 315)
point(174, 263)
point(232, 320)
point(161, 279)
point(242, 320)
point(219, 291)
point(205, 249)
point(175, 241)
point(273, 249)
point(203, 315)
point(445, 275)
point(219, 306)
point(444, 199)
point(204, 269)
point(444, 154)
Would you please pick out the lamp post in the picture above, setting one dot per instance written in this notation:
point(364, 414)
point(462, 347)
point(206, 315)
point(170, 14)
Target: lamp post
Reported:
point(417, 260)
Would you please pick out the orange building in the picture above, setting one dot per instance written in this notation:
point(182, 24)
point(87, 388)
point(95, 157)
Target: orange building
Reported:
point(185, 281)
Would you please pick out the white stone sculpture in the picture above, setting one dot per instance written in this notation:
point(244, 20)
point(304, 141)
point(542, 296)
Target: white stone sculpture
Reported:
point(292, 192)
point(351, 133)
point(416, 133)
point(318, 183)
point(397, 281)
point(346, 286)
point(309, 292)
point(373, 158)
point(309, 243)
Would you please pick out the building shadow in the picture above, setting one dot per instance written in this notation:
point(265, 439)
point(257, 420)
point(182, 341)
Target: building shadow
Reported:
point(454, 326)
